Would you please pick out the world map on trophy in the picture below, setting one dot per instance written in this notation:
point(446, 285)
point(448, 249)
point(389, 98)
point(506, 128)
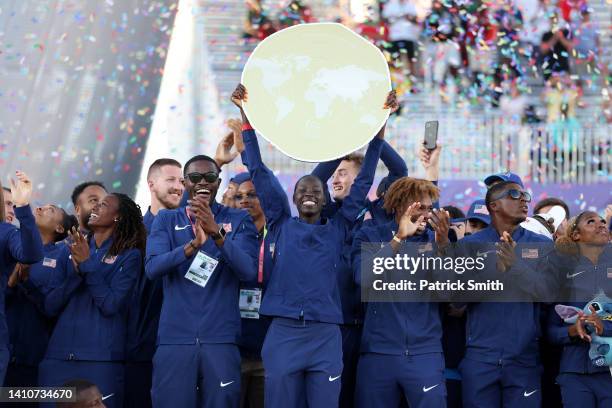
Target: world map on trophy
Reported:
point(316, 91)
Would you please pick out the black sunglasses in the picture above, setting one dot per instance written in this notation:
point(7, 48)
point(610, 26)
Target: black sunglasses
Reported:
point(209, 177)
point(514, 194)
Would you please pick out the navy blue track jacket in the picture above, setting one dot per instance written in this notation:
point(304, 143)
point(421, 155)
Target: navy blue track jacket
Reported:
point(275, 206)
point(307, 257)
point(352, 311)
point(144, 311)
point(501, 332)
point(91, 305)
point(192, 314)
point(583, 280)
point(397, 169)
point(22, 245)
point(396, 328)
point(29, 325)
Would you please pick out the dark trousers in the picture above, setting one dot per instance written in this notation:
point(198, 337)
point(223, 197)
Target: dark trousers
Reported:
point(138, 380)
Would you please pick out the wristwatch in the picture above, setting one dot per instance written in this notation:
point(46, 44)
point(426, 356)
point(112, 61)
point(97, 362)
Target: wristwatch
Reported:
point(219, 235)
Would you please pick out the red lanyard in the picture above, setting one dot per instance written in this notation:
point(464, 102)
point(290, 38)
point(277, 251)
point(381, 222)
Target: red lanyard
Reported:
point(261, 257)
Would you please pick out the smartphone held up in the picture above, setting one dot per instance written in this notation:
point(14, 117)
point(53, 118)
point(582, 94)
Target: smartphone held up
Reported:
point(430, 141)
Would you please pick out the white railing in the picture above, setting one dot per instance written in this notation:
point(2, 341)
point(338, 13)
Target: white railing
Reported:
point(476, 146)
point(542, 153)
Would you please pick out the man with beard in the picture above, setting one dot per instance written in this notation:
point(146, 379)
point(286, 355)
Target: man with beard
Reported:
point(165, 185)
point(85, 197)
point(202, 251)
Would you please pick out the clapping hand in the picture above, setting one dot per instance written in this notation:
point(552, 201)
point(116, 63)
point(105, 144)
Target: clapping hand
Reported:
point(505, 252)
point(204, 216)
point(440, 223)
point(79, 249)
point(407, 226)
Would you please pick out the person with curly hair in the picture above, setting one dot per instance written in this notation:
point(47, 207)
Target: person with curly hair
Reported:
point(90, 302)
point(401, 349)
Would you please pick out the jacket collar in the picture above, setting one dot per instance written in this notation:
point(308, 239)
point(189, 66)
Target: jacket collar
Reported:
point(105, 245)
point(491, 232)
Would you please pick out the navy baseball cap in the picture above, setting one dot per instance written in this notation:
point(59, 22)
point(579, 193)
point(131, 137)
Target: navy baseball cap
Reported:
point(478, 211)
point(240, 178)
point(507, 176)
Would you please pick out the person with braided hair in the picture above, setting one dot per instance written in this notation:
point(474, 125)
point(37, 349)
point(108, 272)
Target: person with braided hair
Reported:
point(91, 300)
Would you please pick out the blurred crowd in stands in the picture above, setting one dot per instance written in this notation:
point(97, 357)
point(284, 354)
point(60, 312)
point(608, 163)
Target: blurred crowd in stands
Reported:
point(482, 52)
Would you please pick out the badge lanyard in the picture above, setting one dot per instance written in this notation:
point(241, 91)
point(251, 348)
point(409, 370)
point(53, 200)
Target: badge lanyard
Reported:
point(261, 257)
point(261, 248)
